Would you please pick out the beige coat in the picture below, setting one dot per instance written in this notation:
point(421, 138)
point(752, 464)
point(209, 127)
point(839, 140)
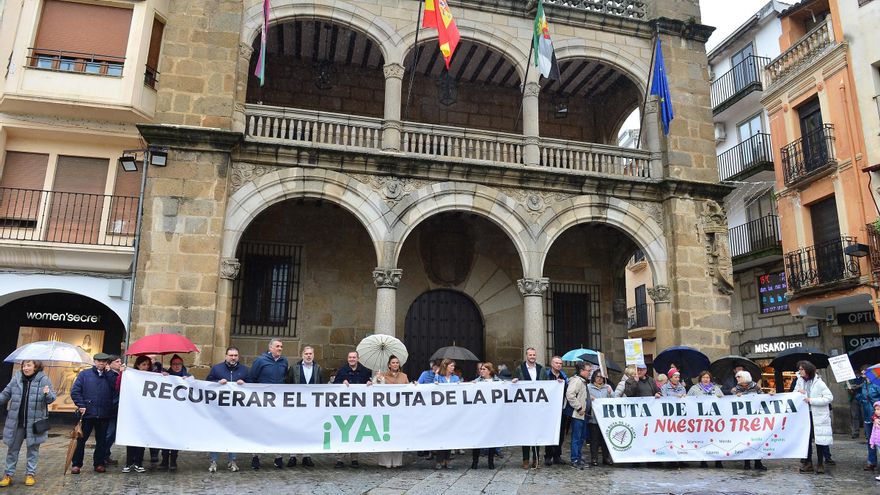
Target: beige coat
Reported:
point(578, 397)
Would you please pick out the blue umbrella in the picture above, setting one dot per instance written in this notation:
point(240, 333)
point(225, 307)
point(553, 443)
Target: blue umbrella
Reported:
point(873, 374)
point(690, 362)
point(574, 355)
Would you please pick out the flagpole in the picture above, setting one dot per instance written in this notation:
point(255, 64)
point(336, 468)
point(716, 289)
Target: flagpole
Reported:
point(412, 70)
point(647, 87)
point(526, 78)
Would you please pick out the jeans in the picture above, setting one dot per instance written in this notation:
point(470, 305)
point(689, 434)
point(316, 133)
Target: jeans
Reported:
point(216, 455)
point(578, 427)
point(33, 453)
point(872, 453)
point(100, 427)
point(111, 436)
point(855, 416)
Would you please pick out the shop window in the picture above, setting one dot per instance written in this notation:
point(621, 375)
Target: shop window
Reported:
point(21, 185)
point(573, 317)
point(266, 292)
point(63, 45)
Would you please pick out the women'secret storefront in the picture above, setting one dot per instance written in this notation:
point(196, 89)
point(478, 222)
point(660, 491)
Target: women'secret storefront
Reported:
point(70, 318)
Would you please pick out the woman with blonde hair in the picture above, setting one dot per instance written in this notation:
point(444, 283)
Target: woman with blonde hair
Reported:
point(629, 372)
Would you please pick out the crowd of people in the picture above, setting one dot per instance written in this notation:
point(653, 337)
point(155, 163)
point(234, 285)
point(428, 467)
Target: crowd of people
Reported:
point(96, 395)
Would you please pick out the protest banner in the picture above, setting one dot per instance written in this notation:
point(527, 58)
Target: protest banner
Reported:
point(187, 414)
point(705, 428)
point(634, 352)
point(842, 368)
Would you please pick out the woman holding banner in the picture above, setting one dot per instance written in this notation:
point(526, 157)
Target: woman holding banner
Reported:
point(445, 375)
point(745, 386)
point(705, 387)
point(134, 456)
point(487, 374)
point(598, 389)
point(818, 396)
point(673, 387)
point(391, 377)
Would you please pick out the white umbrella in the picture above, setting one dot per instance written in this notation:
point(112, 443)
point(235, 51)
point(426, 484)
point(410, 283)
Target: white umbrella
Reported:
point(50, 352)
point(375, 351)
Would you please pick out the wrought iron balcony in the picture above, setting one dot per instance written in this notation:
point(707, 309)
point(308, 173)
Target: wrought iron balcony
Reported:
point(809, 155)
point(821, 264)
point(874, 245)
point(742, 79)
point(753, 155)
point(753, 237)
point(64, 217)
point(640, 316)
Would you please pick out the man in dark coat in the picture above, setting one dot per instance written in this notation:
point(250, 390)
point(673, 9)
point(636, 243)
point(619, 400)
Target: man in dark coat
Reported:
point(270, 367)
point(94, 393)
point(353, 374)
point(553, 453)
point(305, 372)
point(530, 370)
point(642, 385)
point(230, 370)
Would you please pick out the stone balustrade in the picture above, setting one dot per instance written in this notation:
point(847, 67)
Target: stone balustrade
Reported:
point(805, 49)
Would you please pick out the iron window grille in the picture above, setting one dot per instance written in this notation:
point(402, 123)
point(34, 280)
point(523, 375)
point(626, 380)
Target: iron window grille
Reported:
point(573, 317)
point(265, 295)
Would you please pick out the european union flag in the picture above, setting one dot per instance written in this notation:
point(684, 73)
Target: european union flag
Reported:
point(660, 87)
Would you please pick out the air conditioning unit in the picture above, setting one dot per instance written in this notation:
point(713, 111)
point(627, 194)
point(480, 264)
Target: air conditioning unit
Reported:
point(720, 133)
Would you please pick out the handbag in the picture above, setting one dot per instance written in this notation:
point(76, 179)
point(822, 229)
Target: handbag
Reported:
point(41, 426)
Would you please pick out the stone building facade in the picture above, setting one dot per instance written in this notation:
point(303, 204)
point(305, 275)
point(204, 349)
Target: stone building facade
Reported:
point(362, 188)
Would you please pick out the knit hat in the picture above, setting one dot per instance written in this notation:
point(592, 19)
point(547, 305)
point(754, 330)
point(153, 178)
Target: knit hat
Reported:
point(877, 403)
point(673, 371)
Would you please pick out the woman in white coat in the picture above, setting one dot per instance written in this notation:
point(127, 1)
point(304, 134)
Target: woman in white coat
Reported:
point(818, 396)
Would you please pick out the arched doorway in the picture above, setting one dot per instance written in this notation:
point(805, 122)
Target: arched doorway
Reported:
point(439, 318)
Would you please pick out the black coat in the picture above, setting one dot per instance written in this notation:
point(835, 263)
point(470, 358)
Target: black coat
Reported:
point(359, 375)
point(95, 393)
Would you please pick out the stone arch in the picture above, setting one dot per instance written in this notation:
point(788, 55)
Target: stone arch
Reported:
point(255, 197)
point(477, 32)
point(636, 68)
point(347, 14)
point(497, 207)
point(644, 230)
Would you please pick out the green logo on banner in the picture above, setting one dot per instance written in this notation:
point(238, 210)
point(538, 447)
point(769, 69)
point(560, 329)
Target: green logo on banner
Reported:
point(366, 429)
point(620, 436)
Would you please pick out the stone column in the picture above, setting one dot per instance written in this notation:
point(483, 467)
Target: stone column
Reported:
point(532, 290)
point(386, 280)
point(531, 152)
point(229, 271)
point(650, 139)
point(660, 294)
point(391, 127)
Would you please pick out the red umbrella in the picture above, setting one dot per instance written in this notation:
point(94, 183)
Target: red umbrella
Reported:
point(161, 343)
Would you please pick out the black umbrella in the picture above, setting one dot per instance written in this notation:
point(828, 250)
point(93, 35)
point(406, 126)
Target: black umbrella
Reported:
point(865, 354)
point(594, 359)
point(787, 360)
point(455, 353)
point(690, 361)
point(722, 368)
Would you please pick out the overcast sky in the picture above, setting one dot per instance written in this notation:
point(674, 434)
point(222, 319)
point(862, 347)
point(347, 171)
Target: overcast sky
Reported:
point(727, 15)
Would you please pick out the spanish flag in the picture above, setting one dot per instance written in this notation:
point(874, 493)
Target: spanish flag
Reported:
point(438, 15)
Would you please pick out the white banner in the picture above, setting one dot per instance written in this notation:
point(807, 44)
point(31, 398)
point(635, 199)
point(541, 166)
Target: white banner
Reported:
point(187, 414)
point(842, 368)
point(749, 427)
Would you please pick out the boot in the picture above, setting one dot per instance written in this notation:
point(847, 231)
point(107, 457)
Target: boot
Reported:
point(491, 458)
point(759, 466)
point(172, 466)
point(806, 467)
point(820, 467)
point(747, 465)
point(163, 466)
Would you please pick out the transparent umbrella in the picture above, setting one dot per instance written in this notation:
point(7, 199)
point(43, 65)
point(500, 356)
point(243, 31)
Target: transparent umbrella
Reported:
point(50, 352)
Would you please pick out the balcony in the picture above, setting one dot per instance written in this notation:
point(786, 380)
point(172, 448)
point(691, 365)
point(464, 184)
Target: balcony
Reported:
point(341, 132)
point(874, 245)
point(749, 157)
point(640, 316)
point(823, 265)
point(808, 156)
point(809, 47)
point(744, 78)
point(754, 241)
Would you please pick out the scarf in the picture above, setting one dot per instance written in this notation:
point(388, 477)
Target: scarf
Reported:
point(707, 388)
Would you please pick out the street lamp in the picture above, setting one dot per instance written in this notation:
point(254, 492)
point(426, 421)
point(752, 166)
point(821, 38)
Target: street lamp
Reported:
point(157, 157)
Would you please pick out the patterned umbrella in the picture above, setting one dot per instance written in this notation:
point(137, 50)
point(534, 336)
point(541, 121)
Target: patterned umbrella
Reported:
point(375, 351)
point(873, 374)
point(574, 355)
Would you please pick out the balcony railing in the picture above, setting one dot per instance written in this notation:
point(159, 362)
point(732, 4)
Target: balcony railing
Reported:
point(306, 127)
point(85, 63)
point(808, 155)
point(63, 217)
point(750, 156)
point(821, 264)
point(755, 236)
point(640, 316)
point(596, 158)
point(454, 142)
point(151, 76)
point(634, 9)
point(805, 49)
point(874, 245)
point(743, 78)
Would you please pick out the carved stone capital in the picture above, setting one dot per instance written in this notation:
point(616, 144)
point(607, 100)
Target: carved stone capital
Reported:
point(659, 293)
point(393, 70)
point(229, 268)
point(533, 286)
point(387, 278)
point(533, 89)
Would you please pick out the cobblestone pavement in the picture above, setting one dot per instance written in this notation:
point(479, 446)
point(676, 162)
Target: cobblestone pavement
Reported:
point(419, 477)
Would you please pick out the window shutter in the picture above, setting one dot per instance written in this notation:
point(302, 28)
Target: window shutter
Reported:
point(84, 28)
point(22, 184)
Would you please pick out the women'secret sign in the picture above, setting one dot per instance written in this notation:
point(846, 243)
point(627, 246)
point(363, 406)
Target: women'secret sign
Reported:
point(705, 428)
point(263, 418)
